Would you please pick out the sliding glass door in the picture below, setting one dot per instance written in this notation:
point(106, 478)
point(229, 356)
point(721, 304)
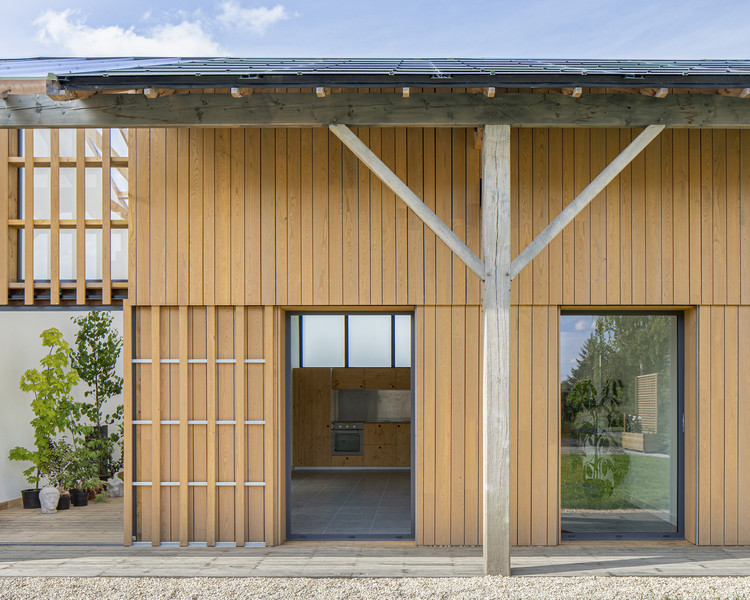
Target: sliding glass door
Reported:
point(621, 436)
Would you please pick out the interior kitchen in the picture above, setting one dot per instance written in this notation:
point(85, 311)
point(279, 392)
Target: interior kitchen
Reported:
point(350, 474)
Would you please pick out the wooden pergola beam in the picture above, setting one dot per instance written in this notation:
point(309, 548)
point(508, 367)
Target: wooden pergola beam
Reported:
point(372, 110)
point(580, 202)
point(389, 178)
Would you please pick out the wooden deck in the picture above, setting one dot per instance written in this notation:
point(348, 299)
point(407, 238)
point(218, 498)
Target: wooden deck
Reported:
point(97, 523)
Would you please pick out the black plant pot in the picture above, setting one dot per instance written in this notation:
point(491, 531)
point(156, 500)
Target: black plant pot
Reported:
point(79, 497)
point(31, 498)
point(64, 502)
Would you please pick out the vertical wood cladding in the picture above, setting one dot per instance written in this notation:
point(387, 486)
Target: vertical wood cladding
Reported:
point(272, 218)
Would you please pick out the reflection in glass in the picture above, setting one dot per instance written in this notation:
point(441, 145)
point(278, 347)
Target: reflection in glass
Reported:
point(369, 340)
point(41, 254)
point(42, 143)
point(41, 193)
point(619, 424)
point(119, 254)
point(93, 195)
point(323, 340)
point(67, 254)
point(67, 193)
point(93, 245)
point(67, 143)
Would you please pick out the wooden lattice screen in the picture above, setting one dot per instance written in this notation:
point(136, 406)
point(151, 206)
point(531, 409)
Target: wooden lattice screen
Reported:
point(199, 417)
point(63, 216)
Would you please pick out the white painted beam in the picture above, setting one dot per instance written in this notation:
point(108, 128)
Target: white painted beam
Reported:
point(496, 355)
point(582, 200)
point(389, 178)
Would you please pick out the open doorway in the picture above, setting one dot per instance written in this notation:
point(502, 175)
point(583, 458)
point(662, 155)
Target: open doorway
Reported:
point(350, 409)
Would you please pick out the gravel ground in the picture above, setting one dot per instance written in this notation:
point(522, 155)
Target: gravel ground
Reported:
point(484, 588)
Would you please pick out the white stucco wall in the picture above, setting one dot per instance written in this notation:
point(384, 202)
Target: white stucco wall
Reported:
point(20, 349)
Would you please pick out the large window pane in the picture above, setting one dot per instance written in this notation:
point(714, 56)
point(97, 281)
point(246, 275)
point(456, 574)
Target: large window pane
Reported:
point(619, 424)
point(369, 340)
point(323, 340)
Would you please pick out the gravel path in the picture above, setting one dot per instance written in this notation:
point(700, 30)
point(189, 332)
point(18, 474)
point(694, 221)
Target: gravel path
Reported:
point(480, 588)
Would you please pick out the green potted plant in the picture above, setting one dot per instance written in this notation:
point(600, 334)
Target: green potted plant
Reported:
point(59, 471)
point(97, 348)
point(82, 474)
point(52, 405)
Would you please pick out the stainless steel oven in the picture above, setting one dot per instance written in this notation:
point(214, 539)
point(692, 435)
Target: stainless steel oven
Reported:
point(347, 439)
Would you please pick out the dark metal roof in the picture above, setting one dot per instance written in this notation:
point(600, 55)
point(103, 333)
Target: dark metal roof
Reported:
point(119, 73)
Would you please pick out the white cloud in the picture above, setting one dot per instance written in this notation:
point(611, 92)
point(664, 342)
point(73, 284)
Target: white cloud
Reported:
point(584, 324)
point(257, 20)
point(70, 35)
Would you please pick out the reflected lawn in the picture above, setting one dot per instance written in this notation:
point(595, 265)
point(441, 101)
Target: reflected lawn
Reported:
point(646, 484)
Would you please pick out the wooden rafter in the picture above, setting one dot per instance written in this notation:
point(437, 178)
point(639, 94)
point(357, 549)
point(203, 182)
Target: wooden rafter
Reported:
point(239, 92)
point(573, 92)
point(158, 92)
point(735, 92)
point(655, 92)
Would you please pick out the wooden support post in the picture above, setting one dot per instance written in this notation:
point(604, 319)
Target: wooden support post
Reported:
point(496, 371)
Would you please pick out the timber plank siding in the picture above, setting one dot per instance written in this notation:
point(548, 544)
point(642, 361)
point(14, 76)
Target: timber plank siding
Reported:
point(309, 228)
point(229, 227)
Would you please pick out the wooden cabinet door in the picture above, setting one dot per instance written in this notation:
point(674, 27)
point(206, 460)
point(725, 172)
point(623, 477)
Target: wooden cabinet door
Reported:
point(348, 379)
point(380, 433)
point(403, 444)
point(380, 455)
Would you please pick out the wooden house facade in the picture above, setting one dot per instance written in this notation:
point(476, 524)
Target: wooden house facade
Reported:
point(236, 218)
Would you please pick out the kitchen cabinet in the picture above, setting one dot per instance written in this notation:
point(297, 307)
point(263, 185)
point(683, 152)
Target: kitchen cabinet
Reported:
point(380, 433)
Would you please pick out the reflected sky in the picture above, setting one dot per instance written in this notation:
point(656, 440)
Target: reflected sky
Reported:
point(574, 331)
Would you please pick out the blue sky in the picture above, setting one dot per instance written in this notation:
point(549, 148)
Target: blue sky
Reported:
point(500, 28)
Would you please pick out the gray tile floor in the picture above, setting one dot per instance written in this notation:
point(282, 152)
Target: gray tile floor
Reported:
point(351, 503)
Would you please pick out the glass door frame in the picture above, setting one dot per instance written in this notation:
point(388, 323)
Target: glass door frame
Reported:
point(644, 536)
point(288, 418)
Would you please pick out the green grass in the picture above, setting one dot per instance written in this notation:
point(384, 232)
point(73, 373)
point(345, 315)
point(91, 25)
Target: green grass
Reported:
point(646, 484)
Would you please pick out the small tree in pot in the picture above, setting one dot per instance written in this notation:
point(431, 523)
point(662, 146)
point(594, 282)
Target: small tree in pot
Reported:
point(52, 405)
point(97, 348)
